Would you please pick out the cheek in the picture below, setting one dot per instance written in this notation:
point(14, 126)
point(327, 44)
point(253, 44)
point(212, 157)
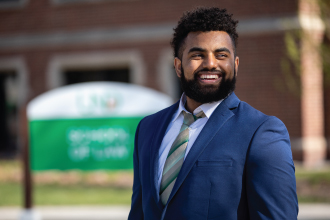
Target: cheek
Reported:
point(229, 70)
point(190, 68)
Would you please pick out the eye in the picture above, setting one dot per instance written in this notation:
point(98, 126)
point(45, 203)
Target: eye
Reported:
point(196, 55)
point(221, 55)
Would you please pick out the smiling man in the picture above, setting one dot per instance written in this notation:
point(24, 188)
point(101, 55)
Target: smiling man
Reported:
point(211, 156)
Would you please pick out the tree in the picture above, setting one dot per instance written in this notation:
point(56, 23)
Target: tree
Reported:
point(291, 63)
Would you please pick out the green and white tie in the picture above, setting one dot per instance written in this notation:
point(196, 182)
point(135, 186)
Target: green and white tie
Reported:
point(175, 156)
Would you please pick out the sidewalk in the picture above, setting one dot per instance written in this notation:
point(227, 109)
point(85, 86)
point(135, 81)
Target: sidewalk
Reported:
point(306, 212)
point(70, 213)
point(314, 212)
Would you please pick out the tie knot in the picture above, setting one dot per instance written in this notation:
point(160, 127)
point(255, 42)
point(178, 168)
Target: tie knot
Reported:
point(188, 118)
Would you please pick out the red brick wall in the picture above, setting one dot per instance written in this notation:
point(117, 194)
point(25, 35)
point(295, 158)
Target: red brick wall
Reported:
point(260, 80)
point(43, 16)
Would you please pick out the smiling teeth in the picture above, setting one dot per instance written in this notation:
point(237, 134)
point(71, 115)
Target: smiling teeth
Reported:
point(209, 76)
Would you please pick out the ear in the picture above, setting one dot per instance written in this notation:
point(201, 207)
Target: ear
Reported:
point(236, 64)
point(177, 66)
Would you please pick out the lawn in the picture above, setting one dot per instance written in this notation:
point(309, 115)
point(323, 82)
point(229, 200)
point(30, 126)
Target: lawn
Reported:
point(115, 187)
point(11, 195)
point(313, 186)
point(66, 188)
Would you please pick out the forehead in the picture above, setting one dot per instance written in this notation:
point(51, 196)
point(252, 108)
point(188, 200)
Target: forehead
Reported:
point(210, 40)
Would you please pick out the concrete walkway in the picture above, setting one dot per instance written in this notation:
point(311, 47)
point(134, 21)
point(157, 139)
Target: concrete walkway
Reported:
point(314, 212)
point(306, 212)
point(69, 213)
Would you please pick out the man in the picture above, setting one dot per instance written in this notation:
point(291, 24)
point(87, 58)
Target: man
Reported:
point(211, 156)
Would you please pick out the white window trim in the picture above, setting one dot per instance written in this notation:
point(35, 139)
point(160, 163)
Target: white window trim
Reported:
point(131, 59)
point(18, 65)
point(167, 80)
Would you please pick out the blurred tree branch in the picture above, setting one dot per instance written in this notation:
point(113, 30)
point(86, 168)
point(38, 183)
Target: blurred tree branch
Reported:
point(291, 63)
point(325, 47)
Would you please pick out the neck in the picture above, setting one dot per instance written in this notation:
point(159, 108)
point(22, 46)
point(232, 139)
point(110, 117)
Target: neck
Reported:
point(191, 104)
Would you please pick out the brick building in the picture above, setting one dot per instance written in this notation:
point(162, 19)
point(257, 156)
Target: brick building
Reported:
point(45, 44)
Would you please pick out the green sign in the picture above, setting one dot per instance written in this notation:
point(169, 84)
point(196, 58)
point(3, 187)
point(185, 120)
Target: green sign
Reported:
point(89, 126)
point(86, 144)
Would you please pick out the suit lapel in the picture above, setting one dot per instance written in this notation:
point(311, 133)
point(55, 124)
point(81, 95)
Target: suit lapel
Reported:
point(219, 117)
point(159, 133)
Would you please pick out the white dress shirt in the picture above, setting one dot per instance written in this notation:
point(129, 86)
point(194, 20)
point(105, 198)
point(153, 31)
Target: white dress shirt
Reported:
point(174, 127)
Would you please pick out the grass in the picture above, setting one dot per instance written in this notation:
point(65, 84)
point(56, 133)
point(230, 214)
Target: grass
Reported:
point(313, 186)
point(66, 188)
point(314, 177)
point(12, 195)
point(312, 199)
point(115, 187)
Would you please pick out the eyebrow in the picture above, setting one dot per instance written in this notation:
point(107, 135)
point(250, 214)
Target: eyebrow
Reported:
point(222, 49)
point(198, 49)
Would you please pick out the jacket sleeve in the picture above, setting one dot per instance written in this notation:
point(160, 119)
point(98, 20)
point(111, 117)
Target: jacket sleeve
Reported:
point(136, 212)
point(270, 173)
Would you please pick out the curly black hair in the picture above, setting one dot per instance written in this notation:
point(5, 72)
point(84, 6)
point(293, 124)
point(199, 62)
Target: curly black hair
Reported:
point(203, 19)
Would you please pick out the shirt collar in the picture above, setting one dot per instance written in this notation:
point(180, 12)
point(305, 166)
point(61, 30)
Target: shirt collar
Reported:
point(207, 108)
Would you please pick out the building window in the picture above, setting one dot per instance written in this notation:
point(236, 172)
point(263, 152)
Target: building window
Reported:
point(113, 74)
point(120, 66)
point(4, 4)
point(13, 95)
point(8, 113)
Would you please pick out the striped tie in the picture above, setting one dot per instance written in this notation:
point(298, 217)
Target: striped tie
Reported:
point(176, 155)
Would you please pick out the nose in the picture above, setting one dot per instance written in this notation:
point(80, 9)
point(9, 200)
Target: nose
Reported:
point(210, 62)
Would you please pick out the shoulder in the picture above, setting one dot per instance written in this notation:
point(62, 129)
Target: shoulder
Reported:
point(257, 125)
point(264, 120)
point(243, 112)
point(250, 113)
point(254, 119)
point(270, 142)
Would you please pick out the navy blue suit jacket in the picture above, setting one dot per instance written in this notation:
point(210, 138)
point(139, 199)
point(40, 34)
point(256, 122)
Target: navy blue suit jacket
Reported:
point(240, 167)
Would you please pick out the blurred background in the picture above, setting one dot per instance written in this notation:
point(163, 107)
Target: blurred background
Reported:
point(283, 48)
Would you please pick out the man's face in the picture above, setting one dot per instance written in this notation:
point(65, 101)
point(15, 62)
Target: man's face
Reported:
point(208, 66)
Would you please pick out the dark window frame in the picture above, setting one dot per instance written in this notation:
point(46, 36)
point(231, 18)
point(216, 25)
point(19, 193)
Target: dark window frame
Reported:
point(13, 4)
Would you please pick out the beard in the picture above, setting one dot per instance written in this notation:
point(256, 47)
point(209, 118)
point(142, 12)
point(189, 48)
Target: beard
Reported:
point(207, 93)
